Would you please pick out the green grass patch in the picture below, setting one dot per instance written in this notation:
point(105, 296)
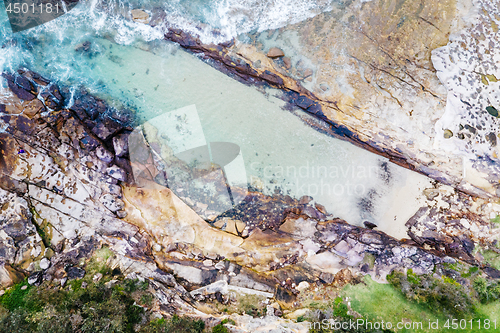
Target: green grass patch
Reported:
point(175, 325)
point(444, 295)
point(249, 304)
point(492, 258)
point(86, 306)
point(220, 329)
point(496, 219)
point(377, 302)
point(15, 297)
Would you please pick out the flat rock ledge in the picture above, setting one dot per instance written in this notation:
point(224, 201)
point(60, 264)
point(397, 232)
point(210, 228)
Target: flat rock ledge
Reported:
point(413, 84)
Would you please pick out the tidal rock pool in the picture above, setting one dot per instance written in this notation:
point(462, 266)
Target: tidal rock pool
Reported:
point(128, 64)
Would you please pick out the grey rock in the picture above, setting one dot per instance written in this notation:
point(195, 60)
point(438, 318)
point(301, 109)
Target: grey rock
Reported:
point(449, 260)
point(326, 277)
point(120, 144)
point(97, 277)
point(220, 265)
point(112, 203)
point(104, 154)
point(117, 173)
point(121, 214)
point(44, 263)
point(75, 273)
point(35, 278)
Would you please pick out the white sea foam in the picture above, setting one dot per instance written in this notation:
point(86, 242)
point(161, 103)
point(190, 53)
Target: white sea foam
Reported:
point(217, 21)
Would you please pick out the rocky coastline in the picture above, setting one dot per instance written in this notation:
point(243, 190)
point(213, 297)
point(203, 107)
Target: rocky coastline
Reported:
point(68, 192)
point(392, 75)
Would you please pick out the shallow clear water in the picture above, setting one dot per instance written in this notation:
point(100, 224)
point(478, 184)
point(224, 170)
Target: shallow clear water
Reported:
point(128, 62)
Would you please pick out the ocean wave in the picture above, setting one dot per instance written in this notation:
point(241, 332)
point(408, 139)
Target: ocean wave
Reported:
point(49, 48)
point(217, 21)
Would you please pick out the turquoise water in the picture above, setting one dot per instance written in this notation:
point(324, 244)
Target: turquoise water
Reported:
point(129, 64)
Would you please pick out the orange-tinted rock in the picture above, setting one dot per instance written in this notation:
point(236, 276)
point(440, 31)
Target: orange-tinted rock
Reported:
point(274, 52)
point(308, 72)
point(140, 16)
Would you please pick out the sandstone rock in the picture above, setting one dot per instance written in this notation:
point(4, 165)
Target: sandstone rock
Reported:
point(248, 324)
point(110, 284)
point(270, 310)
point(342, 278)
point(121, 214)
point(33, 108)
point(22, 88)
point(431, 193)
point(140, 16)
point(275, 52)
point(85, 105)
point(369, 225)
point(299, 227)
point(220, 265)
point(302, 286)
point(284, 297)
point(235, 227)
point(307, 72)
point(106, 128)
point(327, 277)
point(19, 240)
point(320, 208)
point(223, 288)
point(9, 276)
point(304, 200)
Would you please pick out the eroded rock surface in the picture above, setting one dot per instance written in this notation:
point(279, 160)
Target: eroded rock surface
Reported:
point(67, 189)
point(366, 69)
